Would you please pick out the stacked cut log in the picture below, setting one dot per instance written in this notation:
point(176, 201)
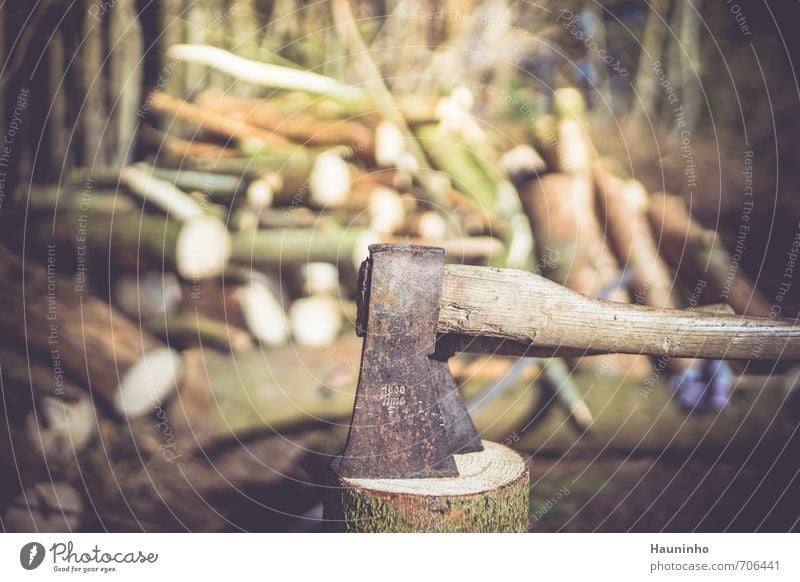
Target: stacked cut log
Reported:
point(222, 264)
point(563, 213)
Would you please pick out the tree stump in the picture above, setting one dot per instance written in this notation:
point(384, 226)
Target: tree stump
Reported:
point(489, 495)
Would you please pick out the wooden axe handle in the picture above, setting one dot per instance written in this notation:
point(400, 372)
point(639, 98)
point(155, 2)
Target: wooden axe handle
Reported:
point(517, 312)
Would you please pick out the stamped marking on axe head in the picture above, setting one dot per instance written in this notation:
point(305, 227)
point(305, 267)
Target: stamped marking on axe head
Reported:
point(399, 428)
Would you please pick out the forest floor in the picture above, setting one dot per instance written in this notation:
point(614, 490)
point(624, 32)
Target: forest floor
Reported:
point(645, 494)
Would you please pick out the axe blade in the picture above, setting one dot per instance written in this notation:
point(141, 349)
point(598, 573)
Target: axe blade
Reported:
point(398, 429)
point(461, 433)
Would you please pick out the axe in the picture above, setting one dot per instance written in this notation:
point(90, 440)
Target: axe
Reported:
point(414, 312)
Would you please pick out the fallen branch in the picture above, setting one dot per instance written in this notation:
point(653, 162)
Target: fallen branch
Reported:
point(263, 74)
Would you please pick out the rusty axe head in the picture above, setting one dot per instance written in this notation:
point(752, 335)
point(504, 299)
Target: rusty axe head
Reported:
point(409, 418)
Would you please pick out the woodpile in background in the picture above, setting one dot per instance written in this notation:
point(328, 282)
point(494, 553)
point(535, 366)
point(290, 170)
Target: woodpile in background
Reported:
point(179, 299)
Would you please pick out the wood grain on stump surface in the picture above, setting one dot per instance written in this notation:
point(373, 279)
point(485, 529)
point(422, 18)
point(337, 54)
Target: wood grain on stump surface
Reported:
point(489, 495)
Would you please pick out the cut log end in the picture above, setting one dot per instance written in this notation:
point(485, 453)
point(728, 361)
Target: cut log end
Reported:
point(390, 144)
point(203, 248)
point(491, 494)
point(330, 180)
point(148, 382)
point(261, 193)
point(263, 313)
point(64, 428)
point(387, 212)
point(316, 321)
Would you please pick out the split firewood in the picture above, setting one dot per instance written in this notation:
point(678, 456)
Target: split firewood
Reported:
point(575, 151)
point(249, 167)
point(544, 134)
point(572, 248)
point(249, 219)
point(93, 343)
point(624, 206)
point(698, 255)
point(475, 220)
point(249, 302)
point(298, 126)
point(330, 180)
point(561, 211)
point(196, 215)
point(249, 138)
point(261, 191)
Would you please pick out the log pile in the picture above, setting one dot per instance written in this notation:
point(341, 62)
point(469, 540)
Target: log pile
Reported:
point(179, 316)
